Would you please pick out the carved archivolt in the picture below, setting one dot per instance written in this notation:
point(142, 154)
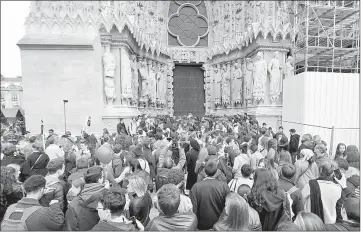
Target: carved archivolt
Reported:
point(232, 24)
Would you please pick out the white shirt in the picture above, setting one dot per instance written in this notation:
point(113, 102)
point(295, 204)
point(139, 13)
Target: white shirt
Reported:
point(54, 151)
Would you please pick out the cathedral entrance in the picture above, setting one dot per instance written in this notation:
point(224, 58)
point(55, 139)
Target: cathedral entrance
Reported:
point(188, 90)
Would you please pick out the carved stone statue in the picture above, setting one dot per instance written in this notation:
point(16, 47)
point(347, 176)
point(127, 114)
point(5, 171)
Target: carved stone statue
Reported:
point(274, 70)
point(248, 78)
point(161, 85)
point(152, 81)
point(135, 84)
point(217, 77)
point(289, 67)
point(109, 73)
point(143, 71)
point(126, 76)
point(237, 83)
point(259, 77)
point(226, 87)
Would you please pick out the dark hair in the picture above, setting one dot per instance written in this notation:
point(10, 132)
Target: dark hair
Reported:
point(246, 170)
point(114, 200)
point(93, 175)
point(338, 153)
point(54, 165)
point(254, 148)
point(175, 176)
point(352, 212)
point(34, 184)
point(8, 149)
point(244, 190)
point(135, 165)
point(8, 179)
point(117, 148)
point(244, 148)
point(263, 181)
point(288, 171)
point(342, 163)
point(168, 199)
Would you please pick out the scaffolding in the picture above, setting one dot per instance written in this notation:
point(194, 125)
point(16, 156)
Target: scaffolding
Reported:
point(328, 36)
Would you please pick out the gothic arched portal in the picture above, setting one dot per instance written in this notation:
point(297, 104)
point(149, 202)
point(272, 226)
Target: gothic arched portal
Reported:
point(187, 24)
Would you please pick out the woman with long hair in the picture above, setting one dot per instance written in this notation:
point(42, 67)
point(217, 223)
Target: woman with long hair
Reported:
point(268, 200)
point(11, 185)
point(340, 151)
point(139, 198)
point(309, 222)
point(284, 158)
point(192, 157)
point(306, 168)
point(235, 216)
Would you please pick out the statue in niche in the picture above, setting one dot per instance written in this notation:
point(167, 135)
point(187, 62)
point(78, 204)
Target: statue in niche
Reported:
point(207, 86)
point(259, 78)
point(289, 67)
point(143, 71)
point(153, 82)
point(274, 70)
point(248, 79)
point(126, 78)
point(216, 32)
point(141, 23)
point(161, 85)
point(135, 84)
point(226, 87)
point(109, 73)
point(237, 83)
point(217, 83)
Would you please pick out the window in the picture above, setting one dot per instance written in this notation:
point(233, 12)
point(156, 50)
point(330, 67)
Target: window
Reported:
point(14, 96)
point(188, 24)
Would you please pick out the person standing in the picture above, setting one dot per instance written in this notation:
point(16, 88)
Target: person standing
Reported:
point(208, 197)
point(192, 157)
point(293, 145)
point(121, 128)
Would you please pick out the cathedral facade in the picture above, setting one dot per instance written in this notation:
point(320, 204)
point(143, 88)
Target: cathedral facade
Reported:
point(113, 59)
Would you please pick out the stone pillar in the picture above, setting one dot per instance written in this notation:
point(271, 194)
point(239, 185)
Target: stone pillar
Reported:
point(170, 67)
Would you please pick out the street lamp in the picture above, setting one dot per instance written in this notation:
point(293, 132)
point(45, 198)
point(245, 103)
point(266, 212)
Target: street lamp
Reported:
point(65, 101)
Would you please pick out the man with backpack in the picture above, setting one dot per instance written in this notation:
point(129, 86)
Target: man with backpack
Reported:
point(286, 183)
point(29, 215)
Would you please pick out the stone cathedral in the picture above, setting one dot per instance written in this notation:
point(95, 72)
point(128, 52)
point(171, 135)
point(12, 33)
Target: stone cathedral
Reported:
point(119, 59)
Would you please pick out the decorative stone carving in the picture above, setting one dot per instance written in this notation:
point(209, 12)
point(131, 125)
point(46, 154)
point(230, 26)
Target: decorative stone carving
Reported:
point(161, 84)
point(152, 81)
point(274, 70)
point(144, 74)
point(237, 83)
point(248, 80)
point(170, 67)
point(126, 76)
point(135, 83)
point(289, 67)
point(208, 88)
point(217, 83)
point(259, 77)
point(226, 87)
point(109, 73)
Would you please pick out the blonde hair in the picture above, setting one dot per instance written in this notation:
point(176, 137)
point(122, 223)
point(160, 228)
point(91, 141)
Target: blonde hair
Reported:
point(139, 185)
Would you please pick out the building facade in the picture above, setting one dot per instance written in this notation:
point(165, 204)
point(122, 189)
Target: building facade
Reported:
point(11, 92)
point(114, 59)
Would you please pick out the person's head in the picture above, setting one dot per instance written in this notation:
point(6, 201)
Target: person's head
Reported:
point(246, 170)
point(176, 176)
point(56, 167)
point(341, 148)
point(51, 132)
point(306, 137)
point(327, 168)
point(137, 185)
point(168, 162)
point(309, 222)
point(253, 148)
point(8, 149)
point(244, 190)
point(263, 181)
point(288, 226)
point(51, 140)
point(120, 119)
point(210, 167)
point(264, 125)
point(237, 212)
point(38, 147)
point(82, 163)
point(342, 165)
point(320, 150)
point(262, 131)
point(34, 186)
point(8, 178)
point(280, 129)
point(168, 199)
point(350, 210)
point(16, 167)
point(135, 165)
point(94, 175)
point(288, 171)
point(293, 131)
point(111, 204)
point(285, 158)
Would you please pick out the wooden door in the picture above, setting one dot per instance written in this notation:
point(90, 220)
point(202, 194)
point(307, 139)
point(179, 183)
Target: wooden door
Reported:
point(188, 90)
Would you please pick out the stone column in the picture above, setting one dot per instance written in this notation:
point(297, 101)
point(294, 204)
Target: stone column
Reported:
point(169, 97)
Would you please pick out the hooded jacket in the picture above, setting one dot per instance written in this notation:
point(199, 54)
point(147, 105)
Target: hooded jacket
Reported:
point(34, 166)
point(178, 222)
point(82, 213)
point(58, 193)
point(271, 211)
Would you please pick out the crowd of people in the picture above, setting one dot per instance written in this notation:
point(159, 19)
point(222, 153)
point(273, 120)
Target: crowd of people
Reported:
point(179, 173)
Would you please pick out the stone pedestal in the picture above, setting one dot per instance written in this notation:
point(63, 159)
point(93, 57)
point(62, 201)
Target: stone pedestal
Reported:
point(269, 114)
point(112, 115)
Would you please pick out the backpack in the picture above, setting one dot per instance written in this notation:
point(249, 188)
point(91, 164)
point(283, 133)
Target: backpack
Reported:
point(19, 224)
point(227, 170)
point(289, 202)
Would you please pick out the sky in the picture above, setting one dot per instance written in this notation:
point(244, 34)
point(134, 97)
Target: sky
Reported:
point(13, 14)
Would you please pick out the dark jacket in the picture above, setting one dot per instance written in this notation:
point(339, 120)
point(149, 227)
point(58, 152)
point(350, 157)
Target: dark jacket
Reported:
point(82, 213)
point(161, 178)
point(191, 158)
point(208, 198)
point(294, 141)
point(296, 196)
point(44, 219)
point(12, 160)
point(147, 155)
point(58, 194)
point(31, 167)
point(271, 211)
point(113, 226)
point(77, 175)
point(178, 222)
point(15, 195)
point(121, 128)
point(306, 145)
point(140, 207)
